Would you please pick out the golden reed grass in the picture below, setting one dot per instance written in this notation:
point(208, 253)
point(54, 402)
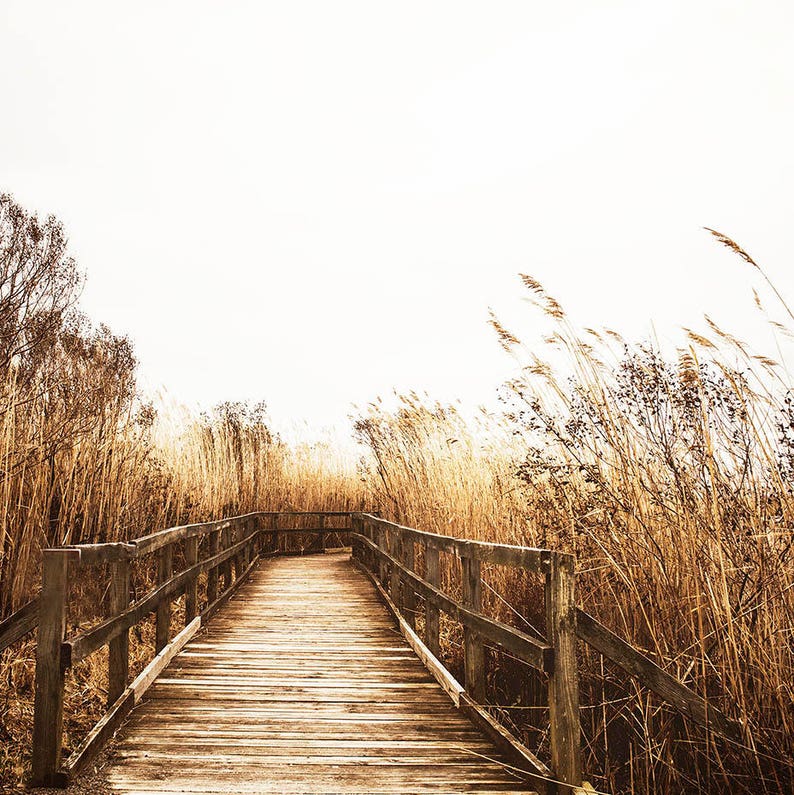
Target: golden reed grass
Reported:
point(671, 481)
point(670, 478)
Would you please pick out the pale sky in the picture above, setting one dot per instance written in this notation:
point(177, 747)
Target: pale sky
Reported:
point(312, 203)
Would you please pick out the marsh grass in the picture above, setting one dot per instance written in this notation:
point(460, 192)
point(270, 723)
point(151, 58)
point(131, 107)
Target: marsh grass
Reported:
point(670, 478)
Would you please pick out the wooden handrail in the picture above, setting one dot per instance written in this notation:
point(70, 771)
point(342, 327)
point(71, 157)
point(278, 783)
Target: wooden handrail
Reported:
point(485, 551)
point(386, 550)
point(233, 548)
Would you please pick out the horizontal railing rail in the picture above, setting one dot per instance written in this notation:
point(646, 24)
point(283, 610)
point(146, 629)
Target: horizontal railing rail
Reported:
point(225, 551)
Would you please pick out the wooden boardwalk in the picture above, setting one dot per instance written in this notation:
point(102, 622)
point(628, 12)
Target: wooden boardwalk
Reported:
point(303, 684)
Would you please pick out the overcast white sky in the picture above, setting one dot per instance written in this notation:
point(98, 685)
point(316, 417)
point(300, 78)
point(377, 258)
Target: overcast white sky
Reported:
point(313, 202)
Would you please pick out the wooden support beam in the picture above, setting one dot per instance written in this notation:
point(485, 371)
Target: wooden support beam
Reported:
point(408, 593)
point(48, 710)
point(226, 568)
point(473, 649)
point(119, 647)
point(191, 589)
point(237, 563)
point(212, 574)
point(382, 565)
point(565, 731)
point(432, 613)
point(394, 549)
point(356, 548)
point(165, 569)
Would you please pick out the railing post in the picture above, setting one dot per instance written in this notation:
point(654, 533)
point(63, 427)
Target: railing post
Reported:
point(119, 647)
point(191, 589)
point(321, 525)
point(394, 549)
point(408, 593)
point(473, 649)
point(274, 534)
point(212, 574)
point(357, 550)
point(382, 565)
point(226, 566)
point(236, 562)
point(165, 569)
point(431, 611)
point(563, 680)
point(48, 715)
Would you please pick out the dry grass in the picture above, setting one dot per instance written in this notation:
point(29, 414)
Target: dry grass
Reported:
point(672, 483)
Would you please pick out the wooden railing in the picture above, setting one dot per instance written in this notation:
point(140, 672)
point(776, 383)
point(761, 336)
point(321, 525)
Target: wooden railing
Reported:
point(387, 552)
point(225, 551)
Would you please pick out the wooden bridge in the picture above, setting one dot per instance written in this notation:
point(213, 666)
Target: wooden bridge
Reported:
point(313, 678)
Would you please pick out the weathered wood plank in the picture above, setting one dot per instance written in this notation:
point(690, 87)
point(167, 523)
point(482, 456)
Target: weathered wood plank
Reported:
point(191, 588)
point(432, 615)
point(212, 574)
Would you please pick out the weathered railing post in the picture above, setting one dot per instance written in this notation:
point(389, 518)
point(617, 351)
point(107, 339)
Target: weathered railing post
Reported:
point(564, 680)
point(431, 611)
point(48, 715)
point(212, 574)
point(165, 569)
point(394, 549)
point(321, 525)
point(119, 647)
point(382, 565)
point(191, 589)
point(226, 566)
point(357, 550)
point(473, 649)
point(236, 558)
point(408, 594)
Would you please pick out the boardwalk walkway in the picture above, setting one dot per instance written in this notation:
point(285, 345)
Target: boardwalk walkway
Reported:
point(302, 684)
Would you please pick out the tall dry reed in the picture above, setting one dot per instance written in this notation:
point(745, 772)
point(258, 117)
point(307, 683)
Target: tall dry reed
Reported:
point(670, 478)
